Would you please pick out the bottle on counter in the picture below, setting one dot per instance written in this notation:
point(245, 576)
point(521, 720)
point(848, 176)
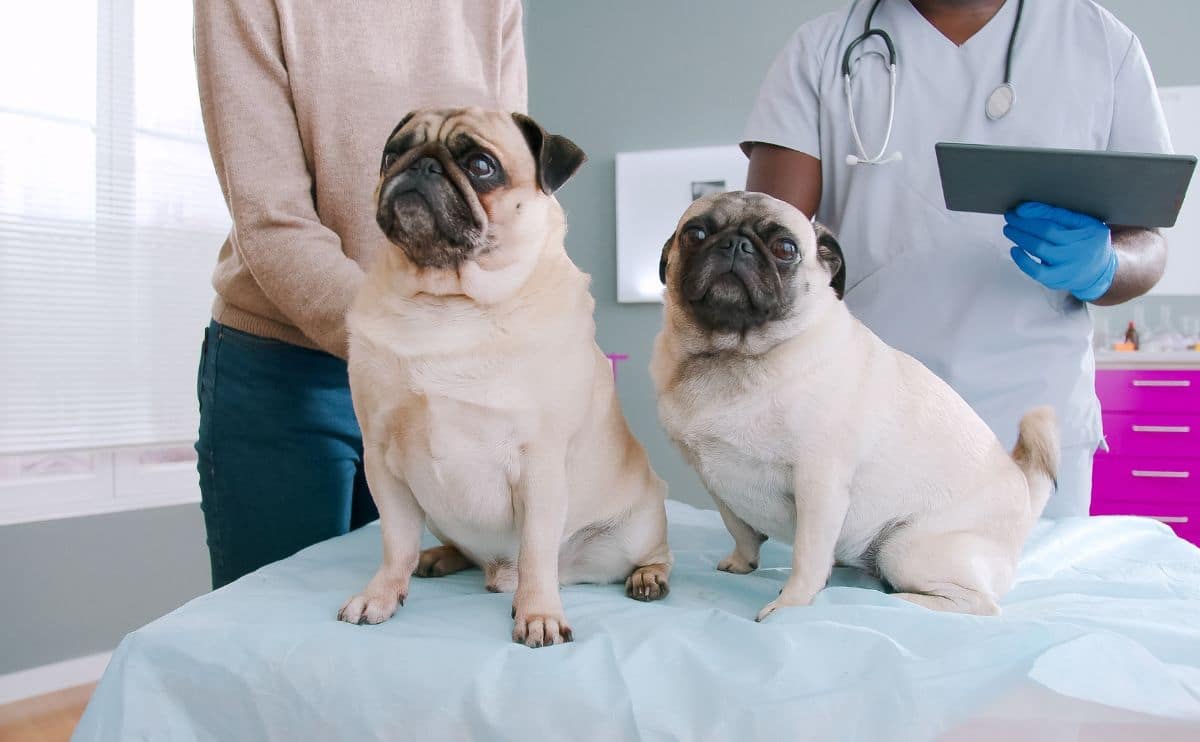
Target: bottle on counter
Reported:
point(1131, 336)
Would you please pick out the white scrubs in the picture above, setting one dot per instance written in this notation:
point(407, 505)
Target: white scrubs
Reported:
point(937, 284)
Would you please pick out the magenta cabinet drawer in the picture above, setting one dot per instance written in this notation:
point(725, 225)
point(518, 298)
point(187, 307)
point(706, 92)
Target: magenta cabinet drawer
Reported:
point(1148, 391)
point(1152, 434)
point(1184, 521)
point(1152, 480)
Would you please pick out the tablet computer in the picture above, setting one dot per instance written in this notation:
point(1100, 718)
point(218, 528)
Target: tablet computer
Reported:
point(1127, 188)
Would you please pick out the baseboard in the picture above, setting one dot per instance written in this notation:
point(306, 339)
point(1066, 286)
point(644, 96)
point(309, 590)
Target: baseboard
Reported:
point(37, 681)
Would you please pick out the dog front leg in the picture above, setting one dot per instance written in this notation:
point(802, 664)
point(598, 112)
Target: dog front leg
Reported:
point(822, 499)
point(541, 503)
point(746, 542)
point(400, 520)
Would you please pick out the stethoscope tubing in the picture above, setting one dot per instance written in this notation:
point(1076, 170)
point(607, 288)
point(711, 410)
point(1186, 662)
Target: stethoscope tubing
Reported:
point(995, 113)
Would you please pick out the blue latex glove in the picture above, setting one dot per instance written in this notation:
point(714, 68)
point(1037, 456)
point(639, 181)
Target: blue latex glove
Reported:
point(1075, 250)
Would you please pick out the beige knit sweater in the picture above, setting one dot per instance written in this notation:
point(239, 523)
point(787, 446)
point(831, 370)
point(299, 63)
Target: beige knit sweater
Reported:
point(298, 97)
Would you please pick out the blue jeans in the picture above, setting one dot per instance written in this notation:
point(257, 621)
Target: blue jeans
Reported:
point(280, 452)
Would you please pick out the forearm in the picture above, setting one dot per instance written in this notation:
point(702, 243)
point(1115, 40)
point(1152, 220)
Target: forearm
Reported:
point(1141, 259)
point(787, 175)
point(246, 101)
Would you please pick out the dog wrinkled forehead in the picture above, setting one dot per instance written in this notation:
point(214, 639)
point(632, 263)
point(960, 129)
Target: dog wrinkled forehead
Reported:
point(738, 207)
point(436, 121)
point(493, 130)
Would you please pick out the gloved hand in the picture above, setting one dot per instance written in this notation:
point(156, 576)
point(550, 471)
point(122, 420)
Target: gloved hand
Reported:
point(1075, 250)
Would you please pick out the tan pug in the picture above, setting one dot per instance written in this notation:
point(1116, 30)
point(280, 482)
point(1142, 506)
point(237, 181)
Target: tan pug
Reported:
point(807, 428)
point(487, 410)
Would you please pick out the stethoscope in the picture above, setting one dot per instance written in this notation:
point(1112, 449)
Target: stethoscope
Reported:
point(999, 103)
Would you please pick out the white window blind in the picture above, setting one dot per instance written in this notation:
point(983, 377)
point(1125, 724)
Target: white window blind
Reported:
point(110, 221)
point(110, 218)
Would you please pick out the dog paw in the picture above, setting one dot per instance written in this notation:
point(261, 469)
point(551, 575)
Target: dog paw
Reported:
point(786, 599)
point(541, 629)
point(768, 609)
point(377, 602)
point(370, 609)
point(736, 564)
point(648, 583)
point(441, 561)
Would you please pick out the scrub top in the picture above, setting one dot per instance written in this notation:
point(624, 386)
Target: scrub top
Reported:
point(941, 285)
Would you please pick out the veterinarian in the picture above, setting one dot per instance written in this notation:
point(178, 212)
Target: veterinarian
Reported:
point(298, 99)
point(996, 306)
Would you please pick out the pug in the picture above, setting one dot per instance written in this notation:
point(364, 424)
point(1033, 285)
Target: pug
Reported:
point(807, 428)
point(488, 412)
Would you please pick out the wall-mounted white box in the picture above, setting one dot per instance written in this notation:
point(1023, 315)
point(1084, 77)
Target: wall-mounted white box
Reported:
point(654, 188)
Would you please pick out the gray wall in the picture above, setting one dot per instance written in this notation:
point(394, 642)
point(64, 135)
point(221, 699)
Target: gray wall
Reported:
point(614, 75)
point(1164, 27)
point(76, 586)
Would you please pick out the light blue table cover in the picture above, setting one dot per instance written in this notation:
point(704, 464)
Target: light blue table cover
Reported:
point(1102, 632)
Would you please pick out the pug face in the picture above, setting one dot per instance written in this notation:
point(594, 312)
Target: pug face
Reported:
point(740, 261)
point(458, 184)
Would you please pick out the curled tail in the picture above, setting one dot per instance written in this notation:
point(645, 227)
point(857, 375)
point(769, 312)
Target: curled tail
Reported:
point(1037, 455)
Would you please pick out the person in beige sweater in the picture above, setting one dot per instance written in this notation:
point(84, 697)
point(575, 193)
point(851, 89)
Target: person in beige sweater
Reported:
point(298, 98)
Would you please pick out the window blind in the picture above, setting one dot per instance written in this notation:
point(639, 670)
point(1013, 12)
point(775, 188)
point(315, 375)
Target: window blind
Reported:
point(110, 221)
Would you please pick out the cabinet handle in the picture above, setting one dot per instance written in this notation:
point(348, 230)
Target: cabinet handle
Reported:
point(1162, 382)
point(1162, 428)
point(1161, 474)
point(1169, 518)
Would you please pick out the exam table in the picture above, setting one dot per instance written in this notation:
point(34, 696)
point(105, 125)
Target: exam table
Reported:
point(1099, 639)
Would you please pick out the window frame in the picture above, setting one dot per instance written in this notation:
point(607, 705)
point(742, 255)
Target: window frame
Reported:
point(47, 485)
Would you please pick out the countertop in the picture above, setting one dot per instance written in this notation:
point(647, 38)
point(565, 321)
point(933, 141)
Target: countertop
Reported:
point(1148, 359)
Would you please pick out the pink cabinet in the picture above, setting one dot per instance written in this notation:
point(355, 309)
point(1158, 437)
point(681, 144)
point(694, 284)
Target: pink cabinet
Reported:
point(1150, 390)
point(1153, 433)
point(1152, 426)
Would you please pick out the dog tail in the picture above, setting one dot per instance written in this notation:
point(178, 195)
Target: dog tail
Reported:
point(1037, 455)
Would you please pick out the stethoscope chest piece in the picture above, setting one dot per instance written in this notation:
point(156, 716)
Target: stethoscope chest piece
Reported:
point(1000, 102)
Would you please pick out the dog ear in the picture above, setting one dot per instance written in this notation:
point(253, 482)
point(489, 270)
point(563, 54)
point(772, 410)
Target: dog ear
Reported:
point(829, 252)
point(662, 261)
point(407, 117)
point(557, 157)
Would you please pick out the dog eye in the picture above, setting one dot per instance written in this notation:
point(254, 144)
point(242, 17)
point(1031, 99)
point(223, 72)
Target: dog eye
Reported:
point(389, 159)
point(784, 250)
point(480, 165)
point(693, 236)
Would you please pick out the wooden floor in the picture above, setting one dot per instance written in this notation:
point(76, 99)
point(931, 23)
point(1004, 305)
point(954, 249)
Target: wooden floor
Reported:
point(48, 718)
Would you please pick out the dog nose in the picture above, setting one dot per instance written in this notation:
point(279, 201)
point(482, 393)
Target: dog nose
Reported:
point(427, 166)
point(737, 244)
